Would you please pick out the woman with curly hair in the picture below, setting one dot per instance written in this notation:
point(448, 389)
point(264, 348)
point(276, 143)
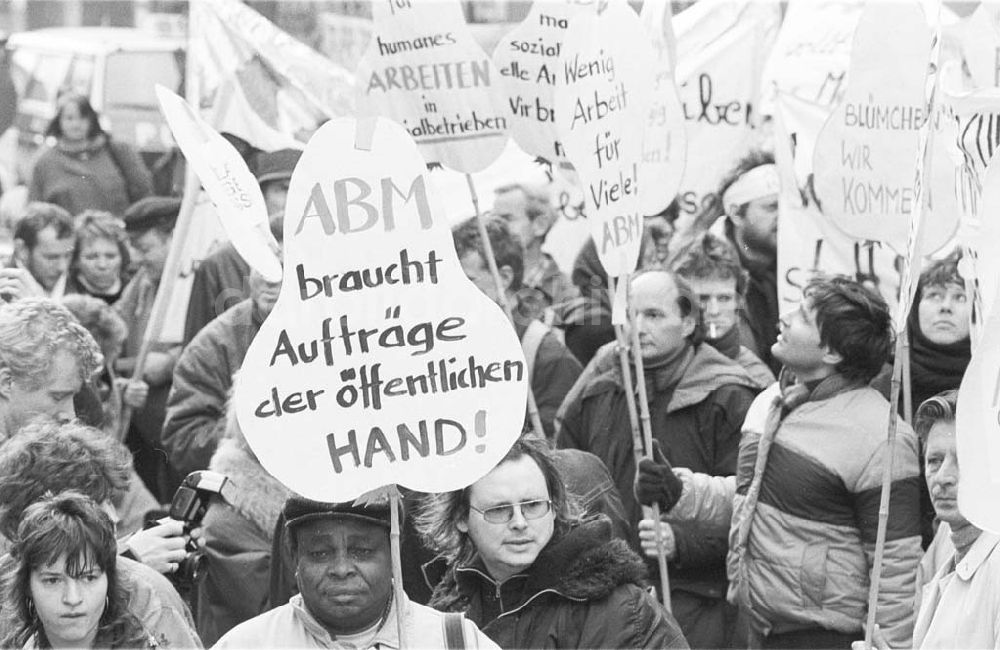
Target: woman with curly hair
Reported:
point(62, 587)
point(530, 573)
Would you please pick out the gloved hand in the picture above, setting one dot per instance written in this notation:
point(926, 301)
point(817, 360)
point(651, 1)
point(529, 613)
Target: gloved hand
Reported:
point(655, 481)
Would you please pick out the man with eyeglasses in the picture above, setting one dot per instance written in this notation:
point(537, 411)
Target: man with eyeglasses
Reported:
point(530, 572)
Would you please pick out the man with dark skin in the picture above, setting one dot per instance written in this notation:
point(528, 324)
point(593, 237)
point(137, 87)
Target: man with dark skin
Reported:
point(344, 575)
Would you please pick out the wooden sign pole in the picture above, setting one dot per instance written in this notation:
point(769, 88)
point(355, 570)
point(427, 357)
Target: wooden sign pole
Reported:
point(536, 420)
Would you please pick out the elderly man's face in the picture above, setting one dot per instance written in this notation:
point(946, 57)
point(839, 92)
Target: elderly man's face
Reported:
point(344, 572)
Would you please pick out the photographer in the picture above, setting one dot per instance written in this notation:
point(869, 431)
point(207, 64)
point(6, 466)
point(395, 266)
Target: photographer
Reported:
point(48, 458)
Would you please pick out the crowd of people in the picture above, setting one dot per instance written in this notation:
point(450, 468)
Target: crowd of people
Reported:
point(768, 454)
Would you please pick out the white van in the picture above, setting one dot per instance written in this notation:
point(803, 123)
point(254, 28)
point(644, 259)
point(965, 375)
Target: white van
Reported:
point(117, 68)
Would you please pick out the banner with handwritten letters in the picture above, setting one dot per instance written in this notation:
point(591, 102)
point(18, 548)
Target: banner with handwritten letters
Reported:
point(424, 69)
point(805, 77)
point(721, 50)
point(381, 362)
point(229, 183)
point(665, 142)
point(528, 61)
point(865, 153)
point(602, 99)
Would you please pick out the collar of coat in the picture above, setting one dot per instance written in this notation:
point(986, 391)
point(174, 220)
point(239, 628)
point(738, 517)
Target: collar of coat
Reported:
point(708, 370)
point(585, 564)
point(258, 496)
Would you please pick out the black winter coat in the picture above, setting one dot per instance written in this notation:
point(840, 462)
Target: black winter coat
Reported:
point(584, 590)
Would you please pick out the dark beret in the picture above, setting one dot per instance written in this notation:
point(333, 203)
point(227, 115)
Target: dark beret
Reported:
point(151, 212)
point(299, 510)
point(276, 165)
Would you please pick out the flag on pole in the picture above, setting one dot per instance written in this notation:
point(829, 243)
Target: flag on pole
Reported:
point(281, 89)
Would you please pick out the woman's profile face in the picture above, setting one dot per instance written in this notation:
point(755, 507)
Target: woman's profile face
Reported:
point(73, 124)
point(69, 607)
point(100, 263)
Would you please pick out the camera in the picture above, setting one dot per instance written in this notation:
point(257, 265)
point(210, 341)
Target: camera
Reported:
point(189, 505)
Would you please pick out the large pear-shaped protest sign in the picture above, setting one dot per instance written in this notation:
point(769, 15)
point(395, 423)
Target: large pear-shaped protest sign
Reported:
point(978, 431)
point(381, 362)
point(602, 101)
point(665, 142)
point(528, 61)
point(228, 182)
point(866, 152)
point(424, 69)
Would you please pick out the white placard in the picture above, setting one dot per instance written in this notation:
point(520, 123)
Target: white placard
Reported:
point(977, 424)
point(665, 141)
point(865, 153)
point(229, 183)
point(425, 70)
point(602, 101)
point(528, 61)
point(380, 363)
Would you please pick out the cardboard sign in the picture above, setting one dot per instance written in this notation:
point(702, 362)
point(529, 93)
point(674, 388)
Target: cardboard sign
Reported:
point(602, 101)
point(528, 61)
point(721, 50)
point(865, 154)
point(665, 142)
point(987, 239)
point(228, 182)
point(424, 69)
point(380, 363)
point(977, 424)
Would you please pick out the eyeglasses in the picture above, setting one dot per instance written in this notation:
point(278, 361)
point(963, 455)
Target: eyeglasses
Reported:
point(503, 514)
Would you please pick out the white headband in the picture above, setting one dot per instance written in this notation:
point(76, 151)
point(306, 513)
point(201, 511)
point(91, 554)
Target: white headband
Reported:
point(758, 182)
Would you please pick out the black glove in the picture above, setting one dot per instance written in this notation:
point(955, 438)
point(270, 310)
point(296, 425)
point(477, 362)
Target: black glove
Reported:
point(655, 481)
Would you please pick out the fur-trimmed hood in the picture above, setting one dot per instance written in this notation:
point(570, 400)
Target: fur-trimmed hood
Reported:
point(258, 497)
point(584, 564)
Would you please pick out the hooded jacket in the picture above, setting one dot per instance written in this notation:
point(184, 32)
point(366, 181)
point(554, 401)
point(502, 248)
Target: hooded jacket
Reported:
point(697, 423)
point(584, 590)
point(238, 539)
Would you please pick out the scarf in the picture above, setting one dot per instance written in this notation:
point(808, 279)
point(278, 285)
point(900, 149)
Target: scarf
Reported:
point(82, 148)
point(934, 367)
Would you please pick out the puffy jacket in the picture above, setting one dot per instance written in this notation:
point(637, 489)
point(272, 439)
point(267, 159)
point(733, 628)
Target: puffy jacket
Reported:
point(697, 422)
point(805, 513)
point(202, 379)
point(238, 537)
point(584, 590)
